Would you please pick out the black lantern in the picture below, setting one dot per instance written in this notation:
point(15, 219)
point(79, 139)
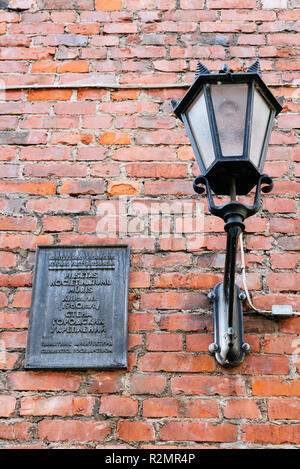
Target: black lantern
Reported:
point(228, 117)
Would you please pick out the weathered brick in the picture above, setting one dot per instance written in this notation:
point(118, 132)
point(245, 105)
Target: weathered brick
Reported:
point(135, 431)
point(120, 406)
point(49, 95)
point(126, 187)
point(15, 320)
point(139, 280)
point(7, 405)
point(22, 299)
point(83, 29)
point(164, 341)
point(45, 154)
point(23, 53)
point(171, 407)
point(271, 433)
point(23, 241)
point(22, 138)
point(176, 362)
point(71, 138)
point(70, 430)
point(198, 342)
point(57, 224)
point(7, 259)
point(7, 153)
point(198, 281)
point(160, 407)
point(74, 238)
point(22, 4)
point(114, 138)
point(153, 170)
point(144, 154)
point(285, 344)
point(97, 122)
point(198, 431)
point(16, 431)
point(105, 169)
point(185, 322)
point(241, 409)
point(75, 108)
point(58, 205)
point(108, 5)
point(209, 385)
point(91, 153)
point(17, 224)
point(57, 170)
point(141, 322)
point(170, 300)
point(287, 409)
point(285, 260)
point(62, 406)
point(198, 408)
point(147, 383)
point(283, 281)
point(44, 66)
point(284, 225)
point(8, 360)
point(105, 382)
point(275, 386)
point(60, 5)
point(76, 66)
point(82, 187)
point(16, 280)
point(290, 243)
point(43, 381)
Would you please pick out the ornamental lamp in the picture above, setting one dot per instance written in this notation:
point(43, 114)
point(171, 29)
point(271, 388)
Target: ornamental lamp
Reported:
point(228, 117)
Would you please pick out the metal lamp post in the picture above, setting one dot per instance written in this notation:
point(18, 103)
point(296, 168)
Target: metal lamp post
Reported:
point(228, 117)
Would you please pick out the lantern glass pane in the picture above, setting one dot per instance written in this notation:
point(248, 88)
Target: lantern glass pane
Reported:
point(260, 120)
point(199, 125)
point(230, 105)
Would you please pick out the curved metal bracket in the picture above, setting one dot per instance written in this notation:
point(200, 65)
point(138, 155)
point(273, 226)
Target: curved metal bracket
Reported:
point(229, 347)
point(223, 211)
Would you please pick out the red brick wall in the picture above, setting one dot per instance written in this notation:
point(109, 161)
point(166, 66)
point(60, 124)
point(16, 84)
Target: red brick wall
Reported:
point(66, 151)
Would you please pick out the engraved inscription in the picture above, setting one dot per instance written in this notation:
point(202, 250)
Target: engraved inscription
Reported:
point(79, 307)
point(79, 310)
point(69, 261)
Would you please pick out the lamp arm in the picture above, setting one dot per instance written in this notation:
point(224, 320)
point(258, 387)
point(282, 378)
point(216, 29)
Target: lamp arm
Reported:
point(229, 347)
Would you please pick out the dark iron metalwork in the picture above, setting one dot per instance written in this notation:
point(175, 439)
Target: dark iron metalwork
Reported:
point(221, 170)
point(79, 308)
point(229, 346)
point(230, 175)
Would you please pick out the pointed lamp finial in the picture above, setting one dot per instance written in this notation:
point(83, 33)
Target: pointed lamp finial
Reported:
point(225, 69)
point(254, 68)
point(281, 100)
point(174, 103)
point(201, 69)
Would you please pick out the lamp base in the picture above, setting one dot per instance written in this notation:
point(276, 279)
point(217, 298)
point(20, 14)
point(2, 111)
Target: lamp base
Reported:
point(229, 347)
point(220, 174)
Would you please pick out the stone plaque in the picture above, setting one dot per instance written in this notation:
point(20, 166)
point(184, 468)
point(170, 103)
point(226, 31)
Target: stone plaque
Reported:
point(79, 307)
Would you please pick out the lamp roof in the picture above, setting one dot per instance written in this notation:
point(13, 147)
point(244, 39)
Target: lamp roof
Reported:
point(204, 76)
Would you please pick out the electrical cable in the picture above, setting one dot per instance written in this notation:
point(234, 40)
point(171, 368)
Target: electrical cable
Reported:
point(243, 269)
point(266, 314)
